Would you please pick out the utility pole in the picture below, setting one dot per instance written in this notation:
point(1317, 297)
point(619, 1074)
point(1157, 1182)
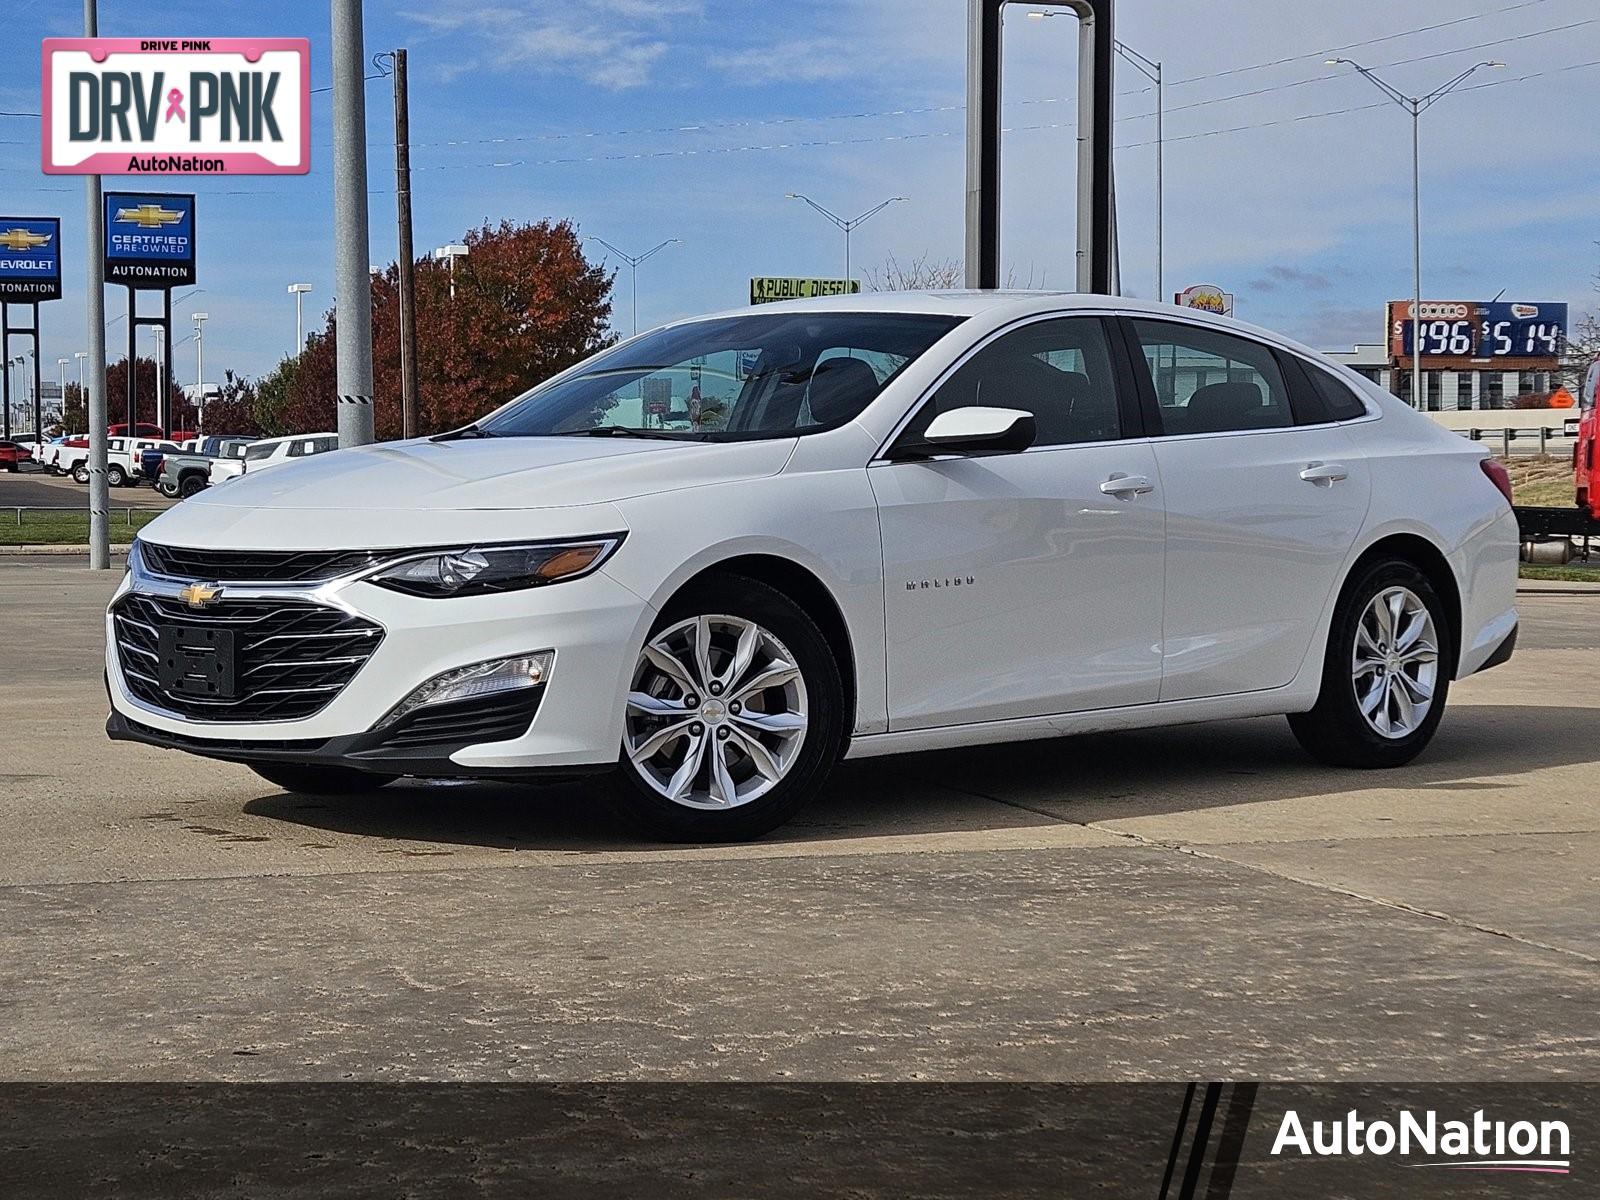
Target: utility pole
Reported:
point(633, 261)
point(200, 320)
point(352, 260)
point(1416, 106)
point(61, 395)
point(407, 264)
point(846, 224)
point(94, 255)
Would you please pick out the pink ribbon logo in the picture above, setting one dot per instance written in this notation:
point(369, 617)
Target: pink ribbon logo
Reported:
point(175, 105)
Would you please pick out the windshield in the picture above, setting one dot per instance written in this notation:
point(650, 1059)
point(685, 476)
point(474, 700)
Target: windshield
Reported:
point(756, 376)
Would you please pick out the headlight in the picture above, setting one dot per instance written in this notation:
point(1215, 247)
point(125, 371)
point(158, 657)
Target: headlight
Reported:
point(480, 570)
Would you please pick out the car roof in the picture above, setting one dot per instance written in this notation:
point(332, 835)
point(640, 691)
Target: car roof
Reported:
point(1008, 303)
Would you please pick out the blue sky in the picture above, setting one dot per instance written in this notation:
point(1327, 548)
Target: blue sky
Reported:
point(647, 119)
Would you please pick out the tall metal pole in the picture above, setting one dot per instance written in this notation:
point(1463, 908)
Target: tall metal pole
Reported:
point(633, 261)
point(1418, 400)
point(1416, 106)
point(352, 256)
point(38, 398)
point(94, 257)
point(407, 273)
point(1161, 187)
point(200, 320)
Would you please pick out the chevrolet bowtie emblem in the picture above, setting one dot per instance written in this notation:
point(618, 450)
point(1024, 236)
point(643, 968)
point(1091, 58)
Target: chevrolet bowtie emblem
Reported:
point(198, 595)
point(23, 239)
point(149, 216)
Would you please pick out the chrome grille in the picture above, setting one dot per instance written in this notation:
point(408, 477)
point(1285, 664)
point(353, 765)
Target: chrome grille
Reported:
point(255, 566)
point(292, 657)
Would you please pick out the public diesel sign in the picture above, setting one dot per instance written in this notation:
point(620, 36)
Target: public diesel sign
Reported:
point(168, 106)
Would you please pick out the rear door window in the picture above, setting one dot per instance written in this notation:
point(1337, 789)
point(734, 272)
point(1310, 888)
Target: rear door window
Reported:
point(1207, 381)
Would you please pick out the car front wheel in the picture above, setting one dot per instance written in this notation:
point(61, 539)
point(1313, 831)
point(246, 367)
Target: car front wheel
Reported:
point(1386, 675)
point(80, 473)
point(735, 715)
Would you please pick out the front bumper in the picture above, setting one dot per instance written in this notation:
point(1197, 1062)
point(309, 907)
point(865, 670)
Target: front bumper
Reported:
point(593, 625)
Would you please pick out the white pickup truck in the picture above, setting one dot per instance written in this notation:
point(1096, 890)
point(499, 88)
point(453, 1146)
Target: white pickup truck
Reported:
point(272, 452)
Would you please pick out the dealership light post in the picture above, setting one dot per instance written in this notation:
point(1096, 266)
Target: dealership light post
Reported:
point(843, 223)
point(352, 256)
point(298, 291)
point(633, 261)
point(95, 401)
point(449, 254)
point(1416, 106)
point(1152, 71)
point(200, 320)
point(61, 393)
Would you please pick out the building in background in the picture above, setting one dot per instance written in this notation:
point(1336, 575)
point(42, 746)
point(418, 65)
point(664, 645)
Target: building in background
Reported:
point(1476, 354)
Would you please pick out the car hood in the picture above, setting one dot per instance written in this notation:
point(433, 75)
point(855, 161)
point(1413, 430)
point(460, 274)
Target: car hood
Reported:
point(424, 492)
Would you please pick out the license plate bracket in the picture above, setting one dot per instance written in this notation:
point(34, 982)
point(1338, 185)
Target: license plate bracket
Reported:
point(199, 661)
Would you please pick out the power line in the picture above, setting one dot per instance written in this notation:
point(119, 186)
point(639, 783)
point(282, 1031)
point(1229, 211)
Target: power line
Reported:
point(821, 143)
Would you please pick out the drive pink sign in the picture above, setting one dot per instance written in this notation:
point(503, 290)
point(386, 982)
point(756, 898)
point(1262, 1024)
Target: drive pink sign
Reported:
point(171, 106)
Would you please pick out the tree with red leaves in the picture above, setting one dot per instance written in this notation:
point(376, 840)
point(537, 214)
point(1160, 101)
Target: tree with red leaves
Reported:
point(527, 304)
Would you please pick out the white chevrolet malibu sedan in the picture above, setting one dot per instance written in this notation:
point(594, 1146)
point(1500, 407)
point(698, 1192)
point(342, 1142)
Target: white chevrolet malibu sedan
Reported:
point(708, 563)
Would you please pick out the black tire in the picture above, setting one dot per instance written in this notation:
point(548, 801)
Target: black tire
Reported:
point(80, 473)
point(115, 476)
point(189, 485)
point(640, 805)
point(321, 781)
point(169, 490)
point(1335, 731)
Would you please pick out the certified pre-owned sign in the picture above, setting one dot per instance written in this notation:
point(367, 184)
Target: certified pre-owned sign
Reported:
point(170, 106)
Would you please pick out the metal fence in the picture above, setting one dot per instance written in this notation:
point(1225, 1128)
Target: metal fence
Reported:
point(123, 515)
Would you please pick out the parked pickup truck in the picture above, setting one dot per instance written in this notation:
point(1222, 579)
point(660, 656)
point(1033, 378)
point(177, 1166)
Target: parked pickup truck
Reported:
point(187, 473)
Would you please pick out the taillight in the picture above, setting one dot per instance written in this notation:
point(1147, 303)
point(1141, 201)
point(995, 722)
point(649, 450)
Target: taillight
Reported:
point(1498, 476)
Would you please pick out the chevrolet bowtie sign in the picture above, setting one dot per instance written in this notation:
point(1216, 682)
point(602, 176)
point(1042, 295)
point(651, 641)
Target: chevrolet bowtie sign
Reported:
point(30, 259)
point(170, 106)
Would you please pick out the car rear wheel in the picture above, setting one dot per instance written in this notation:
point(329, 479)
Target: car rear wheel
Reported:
point(170, 490)
point(116, 476)
point(1387, 672)
point(735, 715)
point(80, 473)
point(189, 485)
point(321, 781)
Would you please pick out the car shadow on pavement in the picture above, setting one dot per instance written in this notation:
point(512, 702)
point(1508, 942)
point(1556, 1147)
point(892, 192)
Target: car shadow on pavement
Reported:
point(1019, 786)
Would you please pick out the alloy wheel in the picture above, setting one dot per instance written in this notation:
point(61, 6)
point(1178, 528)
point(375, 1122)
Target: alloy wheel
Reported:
point(717, 712)
point(1395, 663)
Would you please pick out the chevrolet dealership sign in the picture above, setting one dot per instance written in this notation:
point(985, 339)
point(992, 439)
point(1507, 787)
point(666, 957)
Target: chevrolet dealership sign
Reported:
point(169, 106)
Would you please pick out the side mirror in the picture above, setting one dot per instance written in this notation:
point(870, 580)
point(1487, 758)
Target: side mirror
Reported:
point(974, 430)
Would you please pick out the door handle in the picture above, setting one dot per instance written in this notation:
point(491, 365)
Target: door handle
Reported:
point(1127, 485)
point(1329, 473)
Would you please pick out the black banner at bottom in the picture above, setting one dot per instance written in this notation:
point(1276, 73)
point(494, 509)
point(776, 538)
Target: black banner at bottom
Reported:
point(1154, 1141)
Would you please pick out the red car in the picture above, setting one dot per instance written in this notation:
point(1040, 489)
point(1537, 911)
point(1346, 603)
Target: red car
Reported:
point(1583, 454)
point(13, 455)
point(145, 428)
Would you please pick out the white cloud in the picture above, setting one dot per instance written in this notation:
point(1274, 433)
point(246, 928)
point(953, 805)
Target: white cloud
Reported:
point(612, 44)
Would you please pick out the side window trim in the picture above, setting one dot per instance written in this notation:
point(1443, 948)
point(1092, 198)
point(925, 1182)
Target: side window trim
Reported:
point(1109, 326)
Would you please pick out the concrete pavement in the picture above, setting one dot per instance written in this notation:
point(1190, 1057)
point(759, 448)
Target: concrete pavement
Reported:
point(1199, 902)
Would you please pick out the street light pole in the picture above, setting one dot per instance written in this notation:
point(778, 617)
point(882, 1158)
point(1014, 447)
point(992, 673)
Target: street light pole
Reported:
point(200, 320)
point(1152, 71)
point(633, 261)
point(843, 223)
point(352, 250)
point(449, 254)
point(61, 393)
point(1416, 106)
point(298, 291)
